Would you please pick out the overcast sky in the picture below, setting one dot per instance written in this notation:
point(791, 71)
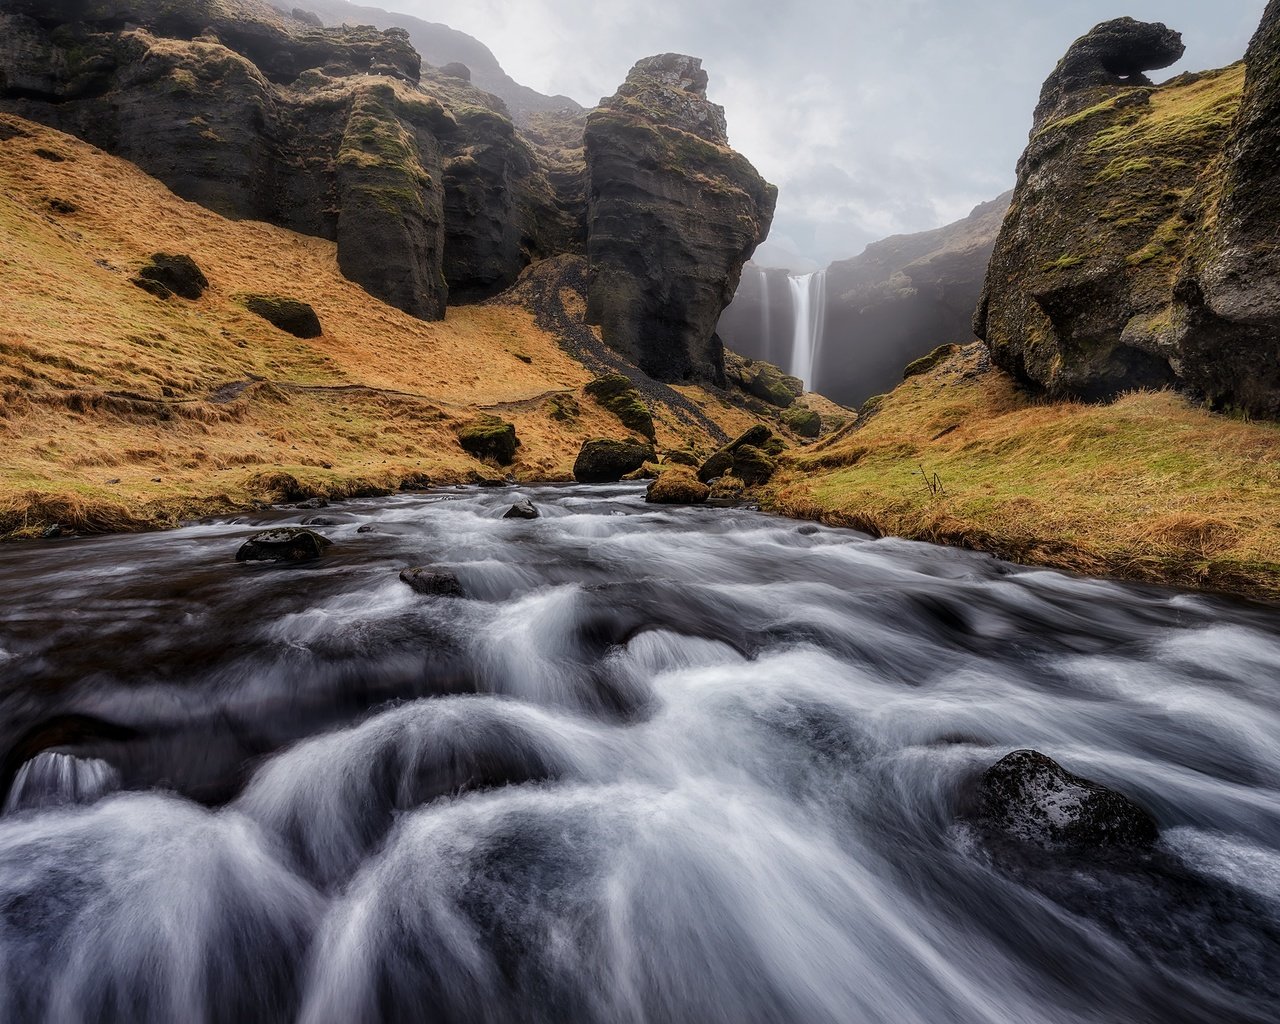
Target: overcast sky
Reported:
point(872, 116)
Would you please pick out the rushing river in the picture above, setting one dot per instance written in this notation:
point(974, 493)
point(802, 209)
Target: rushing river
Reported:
point(658, 765)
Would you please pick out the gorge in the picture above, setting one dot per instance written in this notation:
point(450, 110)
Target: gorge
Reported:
point(446, 574)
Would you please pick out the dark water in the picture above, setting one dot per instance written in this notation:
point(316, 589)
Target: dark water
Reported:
point(686, 765)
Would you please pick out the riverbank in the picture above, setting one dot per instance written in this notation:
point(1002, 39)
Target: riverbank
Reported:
point(124, 410)
point(1149, 488)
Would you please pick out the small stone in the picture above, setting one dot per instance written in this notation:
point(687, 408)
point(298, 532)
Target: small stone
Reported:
point(522, 509)
point(367, 529)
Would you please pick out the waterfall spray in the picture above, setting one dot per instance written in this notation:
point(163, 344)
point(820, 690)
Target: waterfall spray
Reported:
point(809, 307)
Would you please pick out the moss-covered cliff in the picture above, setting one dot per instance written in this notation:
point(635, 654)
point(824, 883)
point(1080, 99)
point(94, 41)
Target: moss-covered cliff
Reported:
point(1139, 250)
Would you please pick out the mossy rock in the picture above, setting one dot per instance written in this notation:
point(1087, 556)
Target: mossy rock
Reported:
point(926, 363)
point(168, 274)
point(753, 466)
point(617, 394)
point(763, 380)
point(727, 488)
point(563, 408)
point(289, 315)
point(490, 438)
point(682, 457)
point(722, 461)
point(677, 486)
point(604, 461)
point(804, 422)
point(871, 405)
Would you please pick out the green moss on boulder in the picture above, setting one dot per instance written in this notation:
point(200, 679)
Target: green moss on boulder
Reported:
point(926, 363)
point(617, 394)
point(804, 422)
point(490, 438)
point(753, 466)
point(605, 461)
point(722, 461)
point(677, 486)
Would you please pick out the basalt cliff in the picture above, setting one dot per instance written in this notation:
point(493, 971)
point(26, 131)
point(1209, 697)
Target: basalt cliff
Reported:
point(430, 192)
point(1140, 250)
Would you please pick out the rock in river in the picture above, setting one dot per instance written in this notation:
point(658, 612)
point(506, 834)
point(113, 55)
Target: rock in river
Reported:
point(1029, 797)
point(284, 545)
point(435, 582)
point(522, 509)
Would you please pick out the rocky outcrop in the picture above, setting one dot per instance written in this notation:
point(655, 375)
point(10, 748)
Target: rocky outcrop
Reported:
point(1140, 249)
point(289, 315)
point(762, 380)
point(490, 438)
point(419, 177)
point(445, 48)
point(673, 214)
point(724, 460)
point(616, 393)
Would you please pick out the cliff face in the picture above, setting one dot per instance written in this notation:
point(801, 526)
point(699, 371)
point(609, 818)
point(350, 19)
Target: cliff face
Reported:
point(898, 300)
point(672, 215)
point(441, 46)
point(1141, 248)
point(422, 179)
point(418, 176)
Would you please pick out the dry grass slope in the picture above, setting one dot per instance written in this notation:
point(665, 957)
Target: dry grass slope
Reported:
point(119, 410)
point(1149, 488)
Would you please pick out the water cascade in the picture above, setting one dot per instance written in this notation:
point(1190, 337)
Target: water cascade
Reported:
point(809, 307)
point(658, 764)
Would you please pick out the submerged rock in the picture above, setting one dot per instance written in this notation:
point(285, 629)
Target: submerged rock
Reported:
point(434, 582)
point(522, 509)
point(603, 461)
point(285, 545)
point(1030, 798)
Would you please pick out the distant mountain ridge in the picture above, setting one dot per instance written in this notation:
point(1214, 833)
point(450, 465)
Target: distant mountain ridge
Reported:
point(440, 45)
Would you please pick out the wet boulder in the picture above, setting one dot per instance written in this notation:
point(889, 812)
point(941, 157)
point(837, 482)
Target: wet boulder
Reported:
point(677, 486)
point(432, 582)
point(166, 275)
point(522, 509)
point(290, 544)
point(1030, 798)
point(490, 438)
point(602, 461)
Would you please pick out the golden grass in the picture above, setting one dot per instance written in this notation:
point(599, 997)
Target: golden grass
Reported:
point(1149, 488)
point(119, 410)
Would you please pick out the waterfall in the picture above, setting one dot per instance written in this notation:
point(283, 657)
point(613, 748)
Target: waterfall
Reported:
point(809, 307)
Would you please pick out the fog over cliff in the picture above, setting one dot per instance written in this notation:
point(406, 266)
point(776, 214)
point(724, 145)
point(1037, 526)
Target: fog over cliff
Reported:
point(872, 118)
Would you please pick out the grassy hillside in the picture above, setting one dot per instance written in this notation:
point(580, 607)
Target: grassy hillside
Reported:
point(121, 410)
point(1148, 488)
